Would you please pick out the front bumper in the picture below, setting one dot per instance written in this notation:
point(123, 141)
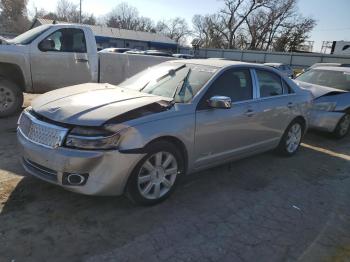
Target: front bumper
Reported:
point(108, 171)
point(324, 120)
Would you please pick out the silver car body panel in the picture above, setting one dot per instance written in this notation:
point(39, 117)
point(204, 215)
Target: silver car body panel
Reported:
point(108, 171)
point(325, 120)
point(209, 137)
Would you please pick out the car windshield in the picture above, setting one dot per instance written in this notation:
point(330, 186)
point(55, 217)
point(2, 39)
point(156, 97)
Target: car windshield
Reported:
point(29, 36)
point(174, 80)
point(334, 79)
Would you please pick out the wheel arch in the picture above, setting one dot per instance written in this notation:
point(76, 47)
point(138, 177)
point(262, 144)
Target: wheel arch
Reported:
point(13, 73)
point(175, 141)
point(302, 120)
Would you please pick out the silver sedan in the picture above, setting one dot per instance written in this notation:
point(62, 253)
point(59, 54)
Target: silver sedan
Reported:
point(173, 119)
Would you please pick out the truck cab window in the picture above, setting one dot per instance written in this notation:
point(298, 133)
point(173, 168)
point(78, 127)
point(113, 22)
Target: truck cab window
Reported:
point(65, 40)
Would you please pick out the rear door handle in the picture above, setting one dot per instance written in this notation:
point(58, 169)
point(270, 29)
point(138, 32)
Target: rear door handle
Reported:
point(290, 105)
point(249, 112)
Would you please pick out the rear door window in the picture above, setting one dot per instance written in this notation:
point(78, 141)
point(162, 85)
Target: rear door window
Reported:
point(270, 84)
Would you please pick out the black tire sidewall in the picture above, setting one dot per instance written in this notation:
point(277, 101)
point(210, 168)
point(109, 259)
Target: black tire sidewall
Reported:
point(336, 132)
point(132, 190)
point(17, 106)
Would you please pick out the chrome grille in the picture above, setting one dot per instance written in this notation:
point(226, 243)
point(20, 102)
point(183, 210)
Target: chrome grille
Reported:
point(41, 132)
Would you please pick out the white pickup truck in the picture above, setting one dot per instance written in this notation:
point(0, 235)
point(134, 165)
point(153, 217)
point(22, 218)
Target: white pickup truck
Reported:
point(58, 55)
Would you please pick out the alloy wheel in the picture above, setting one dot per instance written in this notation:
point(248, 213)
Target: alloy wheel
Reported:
point(157, 175)
point(293, 138)
point(7, 98)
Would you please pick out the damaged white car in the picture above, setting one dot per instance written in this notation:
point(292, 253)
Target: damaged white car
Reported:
point(330, 87)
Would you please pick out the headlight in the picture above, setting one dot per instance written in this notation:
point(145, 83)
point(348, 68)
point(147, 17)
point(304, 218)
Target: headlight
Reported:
point(324, 106)
point(92, 139)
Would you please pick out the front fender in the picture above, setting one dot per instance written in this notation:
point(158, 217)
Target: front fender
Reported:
point(16, 58)
point(182, 128)
point(342, 100)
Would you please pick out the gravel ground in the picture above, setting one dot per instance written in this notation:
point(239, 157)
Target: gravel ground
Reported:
point(265, 208)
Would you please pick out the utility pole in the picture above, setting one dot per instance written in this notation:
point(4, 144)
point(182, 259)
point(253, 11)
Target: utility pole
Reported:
point(80, 12)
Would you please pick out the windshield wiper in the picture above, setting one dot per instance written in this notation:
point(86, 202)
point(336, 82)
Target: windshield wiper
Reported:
point(170, 72)
point(182, 83)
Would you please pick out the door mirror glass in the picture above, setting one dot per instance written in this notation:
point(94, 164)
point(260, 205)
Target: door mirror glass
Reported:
point(220, 102)
point(47, 45)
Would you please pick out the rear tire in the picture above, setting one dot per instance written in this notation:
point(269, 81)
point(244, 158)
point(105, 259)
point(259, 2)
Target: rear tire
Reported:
point(156, 175)
point(291, 138)
point(11, 98)
point(343, 127)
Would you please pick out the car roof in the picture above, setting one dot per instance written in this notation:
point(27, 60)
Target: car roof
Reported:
point(333, 68)
point(274, 64)
point(214, 62)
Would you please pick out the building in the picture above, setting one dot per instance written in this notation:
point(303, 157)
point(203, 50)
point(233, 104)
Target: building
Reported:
point(340, 48)
point(115, 37)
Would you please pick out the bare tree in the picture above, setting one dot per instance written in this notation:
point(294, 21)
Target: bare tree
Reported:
point(234, 14)
point(145, 24)
point(13, 16)
point(253, 24)
point(67, 11)
point(176, 29)
point(42, 13)
point(205, 29)
point(123, 16)
point(294, 35)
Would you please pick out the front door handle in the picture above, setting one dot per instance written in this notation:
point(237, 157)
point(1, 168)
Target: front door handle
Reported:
point(81, 60)
point(249, 112)
point(290, 105)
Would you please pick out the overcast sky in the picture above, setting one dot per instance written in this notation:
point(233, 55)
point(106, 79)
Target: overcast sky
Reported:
point(333, 19)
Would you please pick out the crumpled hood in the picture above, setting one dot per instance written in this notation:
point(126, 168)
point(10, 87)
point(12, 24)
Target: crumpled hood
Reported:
point(90, 104)
point(317, 90)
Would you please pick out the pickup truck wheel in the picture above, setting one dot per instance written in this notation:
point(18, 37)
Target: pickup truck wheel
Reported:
point(11, 98)
point(156, 175)
point(343, 127)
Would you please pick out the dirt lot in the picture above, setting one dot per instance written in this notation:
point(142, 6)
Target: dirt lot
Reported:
point(265, 208)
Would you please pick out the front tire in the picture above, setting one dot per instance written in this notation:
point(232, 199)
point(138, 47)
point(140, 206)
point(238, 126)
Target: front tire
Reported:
point(156, 175)
point(11, 98)
point(291, 138)
point(343, 127)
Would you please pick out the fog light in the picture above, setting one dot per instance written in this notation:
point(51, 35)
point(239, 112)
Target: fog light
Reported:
point(73, 179)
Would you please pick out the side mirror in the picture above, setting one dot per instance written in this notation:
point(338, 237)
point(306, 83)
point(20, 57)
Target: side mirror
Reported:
point(220, 102)
point(47, 45)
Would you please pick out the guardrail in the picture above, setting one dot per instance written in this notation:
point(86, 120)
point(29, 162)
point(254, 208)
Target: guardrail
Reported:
point(294, 59)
